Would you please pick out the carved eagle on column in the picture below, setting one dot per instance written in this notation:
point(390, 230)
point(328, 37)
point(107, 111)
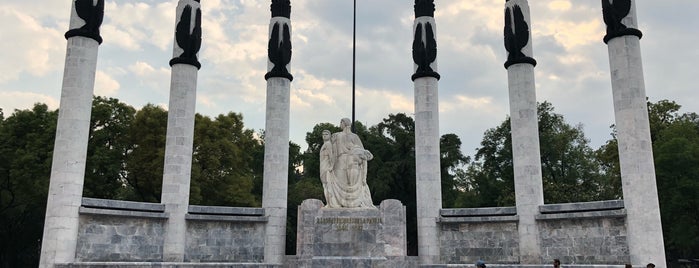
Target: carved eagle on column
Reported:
point(92, 14)
point(516, 35)
point(279, 52)
point(613, 12)
point(188, 40)
point(424, 53)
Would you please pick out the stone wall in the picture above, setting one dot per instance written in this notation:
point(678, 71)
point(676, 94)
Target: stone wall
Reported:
point(584, 233)
point(133, 232)
point(119, 238)
point(469, 235)
point(220, 234)
point(577, 233)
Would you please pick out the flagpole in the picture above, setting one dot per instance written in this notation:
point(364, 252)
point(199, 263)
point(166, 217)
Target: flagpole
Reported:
point(354, 57)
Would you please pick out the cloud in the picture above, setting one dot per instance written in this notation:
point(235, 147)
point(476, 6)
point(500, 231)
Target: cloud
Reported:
point(27, 44)
point(105, 85)
point(11, 100)
point(154, 79)
point(130, 25)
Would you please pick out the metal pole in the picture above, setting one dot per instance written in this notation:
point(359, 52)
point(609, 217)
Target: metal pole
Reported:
point(354, 57)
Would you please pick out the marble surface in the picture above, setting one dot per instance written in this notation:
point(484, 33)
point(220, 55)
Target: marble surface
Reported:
point(351, 233)
point(343, 169)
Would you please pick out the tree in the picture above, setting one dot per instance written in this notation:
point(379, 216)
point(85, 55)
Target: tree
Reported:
point(222, 171)
point(26, 142)
point(451, 161)
point(144, 165)
point(570, 171)
point(108, 148)
point(675, 139)
point(489, 179)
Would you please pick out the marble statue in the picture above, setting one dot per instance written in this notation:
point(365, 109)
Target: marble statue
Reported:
point(343, 169)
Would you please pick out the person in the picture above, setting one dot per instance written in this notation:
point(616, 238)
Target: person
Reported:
point(556, 263)
point(480, 264)
point(344, 169)
point(650, 265)
point(628, 266)
point(327, 176)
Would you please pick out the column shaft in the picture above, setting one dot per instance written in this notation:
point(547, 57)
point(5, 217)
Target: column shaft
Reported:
point(644, 229)
point(428, 179)
point(529, 194)
point(178, 158)
point(427, 168)
point(69, 153)
point(276, 173)
point(276, 163)
point(179, 139)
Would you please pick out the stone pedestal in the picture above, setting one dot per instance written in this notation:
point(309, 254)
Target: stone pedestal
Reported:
point(329, 237)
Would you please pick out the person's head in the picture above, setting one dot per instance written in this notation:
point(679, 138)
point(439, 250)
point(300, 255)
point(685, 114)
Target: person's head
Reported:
point(326, 135)
point(556, 263)
point(628, 266)
point(480, 264)
point(345, 122)
point(650, 265)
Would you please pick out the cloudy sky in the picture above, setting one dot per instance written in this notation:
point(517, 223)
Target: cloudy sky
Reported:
point(573, 69)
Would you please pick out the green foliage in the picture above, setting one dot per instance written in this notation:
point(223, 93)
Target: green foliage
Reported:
point(676, 153)
point(570, 169)
point(451, 161)
point(144, 165)
point(124, 161)
point(26, 142)
point(222, 172)
point(108, 148)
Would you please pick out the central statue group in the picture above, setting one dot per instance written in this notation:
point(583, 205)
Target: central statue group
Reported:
point(343, 169)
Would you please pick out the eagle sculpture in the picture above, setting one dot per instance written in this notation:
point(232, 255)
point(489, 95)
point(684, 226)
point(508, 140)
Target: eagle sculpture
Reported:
point(188, 40)
point(516, 35)
point(613, 12)
point(92, 14)
point(424, 53)
point(279, 52)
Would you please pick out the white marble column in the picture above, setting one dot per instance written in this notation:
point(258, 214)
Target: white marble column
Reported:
point(276, 159)
point(180, 129)
point(644, 229)
point(70, 149)
point(427, 168)
point(529, 194)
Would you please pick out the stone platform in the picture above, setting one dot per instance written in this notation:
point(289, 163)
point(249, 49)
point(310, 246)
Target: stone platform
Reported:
point(329, 237)
point(165, 265)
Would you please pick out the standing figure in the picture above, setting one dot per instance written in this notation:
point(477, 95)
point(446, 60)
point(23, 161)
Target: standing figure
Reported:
point(327, 176)
point(343, 167)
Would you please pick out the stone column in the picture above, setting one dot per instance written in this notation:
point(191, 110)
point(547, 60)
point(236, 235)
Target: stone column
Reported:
point(427, 169)
point(70, 148)
point(276, 162)
point(529, 194)
point(180, 127)
point(644, 229)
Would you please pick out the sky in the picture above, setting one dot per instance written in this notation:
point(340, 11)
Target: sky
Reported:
point(572, 71)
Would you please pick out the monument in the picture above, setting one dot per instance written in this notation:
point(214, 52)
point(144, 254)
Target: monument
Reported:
point(343, 169)
point(349, 231)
